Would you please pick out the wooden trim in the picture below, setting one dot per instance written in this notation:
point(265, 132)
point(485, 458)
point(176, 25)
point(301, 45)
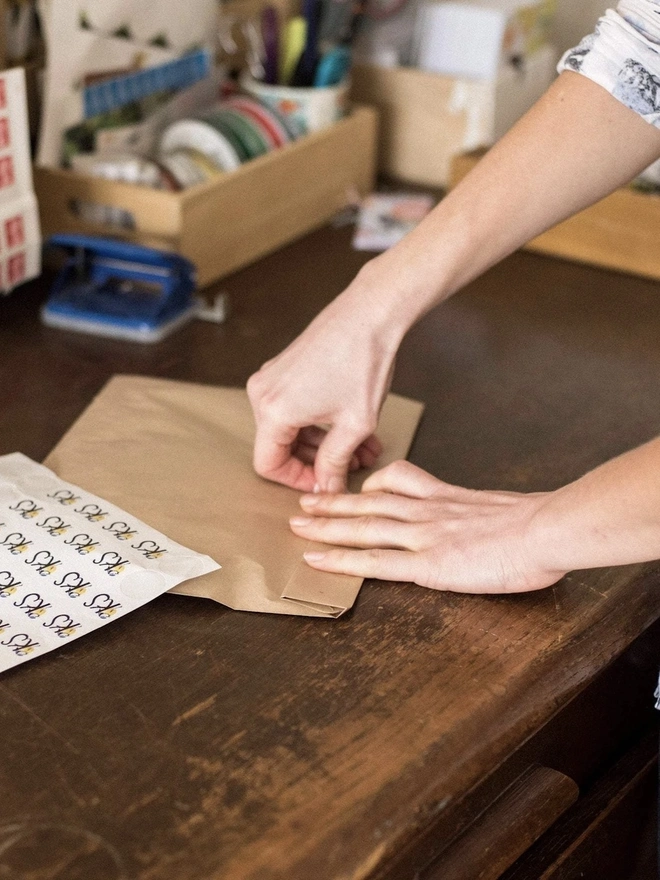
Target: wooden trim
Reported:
point(619, 232)
point(508, 827)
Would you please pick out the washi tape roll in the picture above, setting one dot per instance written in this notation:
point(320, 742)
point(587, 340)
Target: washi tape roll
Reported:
point(271, 126)
point(248, 129)
point(190, 167)
point(247, 141)
point(170, 181)
point(293, 129)
point(221, 126)
point(195, 134)
point(208, 168)
point(183, 169)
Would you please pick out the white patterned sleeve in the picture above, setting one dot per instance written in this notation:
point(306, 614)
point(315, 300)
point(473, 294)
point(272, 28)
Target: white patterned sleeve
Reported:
point(623, 56)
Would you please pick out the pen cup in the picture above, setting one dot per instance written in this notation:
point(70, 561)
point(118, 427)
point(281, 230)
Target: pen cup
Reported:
point(303, 109)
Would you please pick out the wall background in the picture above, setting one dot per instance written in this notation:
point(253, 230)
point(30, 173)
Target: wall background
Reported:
point(575, 18)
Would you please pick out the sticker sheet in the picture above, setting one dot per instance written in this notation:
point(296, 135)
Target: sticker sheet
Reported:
point(70, 562)
point(20, 235)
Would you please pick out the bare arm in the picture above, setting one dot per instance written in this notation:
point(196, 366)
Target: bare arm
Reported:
point(574, 147)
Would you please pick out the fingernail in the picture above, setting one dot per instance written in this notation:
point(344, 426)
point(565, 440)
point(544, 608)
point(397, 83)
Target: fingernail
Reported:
point(300, 521)
point(310, 500)
point(316, 489)
point(335, 485)
point(313, 556)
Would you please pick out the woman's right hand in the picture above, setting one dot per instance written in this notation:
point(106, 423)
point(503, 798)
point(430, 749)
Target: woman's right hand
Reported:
point(336, 374)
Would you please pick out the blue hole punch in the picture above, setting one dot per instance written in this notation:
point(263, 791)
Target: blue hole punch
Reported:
point(112, 288)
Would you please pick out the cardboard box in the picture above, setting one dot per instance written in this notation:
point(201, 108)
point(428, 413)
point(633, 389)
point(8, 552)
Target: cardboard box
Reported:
point(427, 119)
point(225, 224)
point(474, 38)
point(619, 232)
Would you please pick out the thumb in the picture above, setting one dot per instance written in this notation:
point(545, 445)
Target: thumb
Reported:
point(333, 459)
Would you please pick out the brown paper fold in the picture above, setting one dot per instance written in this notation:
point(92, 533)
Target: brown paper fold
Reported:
point(179, 457)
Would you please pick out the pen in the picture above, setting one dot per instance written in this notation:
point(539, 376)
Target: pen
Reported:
point(291, 47)
point(304, 72)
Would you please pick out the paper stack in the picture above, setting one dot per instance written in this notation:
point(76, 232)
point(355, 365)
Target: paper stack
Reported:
point(476, 39)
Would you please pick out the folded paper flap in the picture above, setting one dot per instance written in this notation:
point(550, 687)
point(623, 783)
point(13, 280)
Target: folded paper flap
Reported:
point(245, 587)
point(179, 456)
point(398, 421)
point(311, 586)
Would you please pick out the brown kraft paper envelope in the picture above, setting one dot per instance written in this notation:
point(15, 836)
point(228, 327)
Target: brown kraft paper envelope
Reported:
point(179, 457)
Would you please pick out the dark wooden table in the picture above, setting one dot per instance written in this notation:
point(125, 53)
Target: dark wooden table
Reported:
point(190, 742)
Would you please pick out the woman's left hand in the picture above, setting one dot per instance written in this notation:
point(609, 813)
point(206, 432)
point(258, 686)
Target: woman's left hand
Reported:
point(406, 525)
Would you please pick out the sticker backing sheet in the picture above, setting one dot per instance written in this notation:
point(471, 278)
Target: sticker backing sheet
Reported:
point(71, 562)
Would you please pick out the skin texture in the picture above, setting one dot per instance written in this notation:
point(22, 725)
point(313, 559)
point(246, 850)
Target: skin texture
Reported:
point(407, 525)
point(575, 146)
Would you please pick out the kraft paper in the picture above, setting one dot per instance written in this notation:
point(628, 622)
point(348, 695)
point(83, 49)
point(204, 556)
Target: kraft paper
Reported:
point(179, 457)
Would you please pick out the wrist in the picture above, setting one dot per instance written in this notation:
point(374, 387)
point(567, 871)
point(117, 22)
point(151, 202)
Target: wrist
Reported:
point(391, 294)
point(564, 534)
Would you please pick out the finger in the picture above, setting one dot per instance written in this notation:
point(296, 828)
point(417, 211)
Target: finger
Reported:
point(365, 456)
point(312, 435)
point(383, 504)
point(402, 478)
point(374, 445)
point(370, 451)
point(333, 459)
point(362, 531)
point(307, 454)
point(386, 565)
point(274, 460)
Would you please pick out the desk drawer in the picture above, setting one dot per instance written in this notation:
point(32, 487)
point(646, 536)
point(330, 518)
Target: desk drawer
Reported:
point(610, 834)
point(576, 747)
point(508, 828)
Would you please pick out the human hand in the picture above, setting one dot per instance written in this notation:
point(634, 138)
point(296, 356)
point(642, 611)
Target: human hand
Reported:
point(406, 525)
point(335, 374)
point(306, 446)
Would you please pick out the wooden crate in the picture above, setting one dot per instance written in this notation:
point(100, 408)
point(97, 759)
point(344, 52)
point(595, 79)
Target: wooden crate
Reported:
point(427, 119)
point(226, 224)
point(619, 232)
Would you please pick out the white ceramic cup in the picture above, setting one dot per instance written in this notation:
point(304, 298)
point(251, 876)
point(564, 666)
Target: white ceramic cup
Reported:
point(304, 109)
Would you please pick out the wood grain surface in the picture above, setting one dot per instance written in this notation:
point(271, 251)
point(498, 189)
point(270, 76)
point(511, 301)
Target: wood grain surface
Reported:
point(189, 742)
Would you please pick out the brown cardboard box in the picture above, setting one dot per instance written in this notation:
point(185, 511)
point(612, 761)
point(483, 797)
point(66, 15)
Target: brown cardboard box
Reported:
point(33, 65)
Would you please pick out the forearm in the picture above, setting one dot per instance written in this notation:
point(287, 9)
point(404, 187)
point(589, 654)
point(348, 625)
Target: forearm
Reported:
point(610, 516)
point(575, 146)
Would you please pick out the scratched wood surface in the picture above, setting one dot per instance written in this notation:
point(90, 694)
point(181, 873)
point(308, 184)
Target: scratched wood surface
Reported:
point(189, 742)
